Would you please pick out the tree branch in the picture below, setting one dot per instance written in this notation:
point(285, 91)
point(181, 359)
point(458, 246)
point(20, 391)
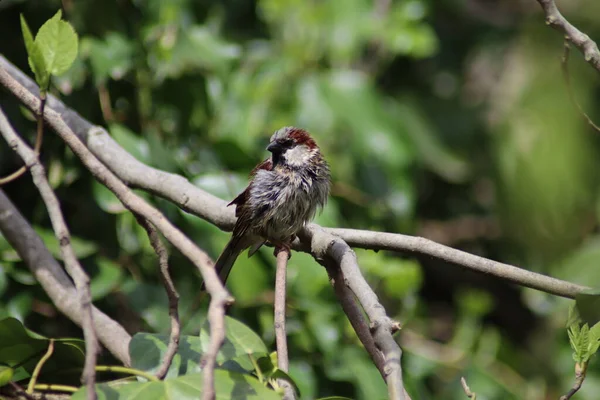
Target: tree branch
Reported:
point(283, 362)
point(426, 247)
point(82, 281)
point(327, 245)
point(172, 295)
point(586, 46)
point(194, 200)
point(323, 245)
point(55, 282)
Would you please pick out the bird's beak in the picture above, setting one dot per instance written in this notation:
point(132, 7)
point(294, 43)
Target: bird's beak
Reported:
point(274, 147)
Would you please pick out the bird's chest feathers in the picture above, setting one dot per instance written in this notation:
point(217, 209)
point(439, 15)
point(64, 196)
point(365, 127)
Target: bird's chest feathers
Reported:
point(283, 187)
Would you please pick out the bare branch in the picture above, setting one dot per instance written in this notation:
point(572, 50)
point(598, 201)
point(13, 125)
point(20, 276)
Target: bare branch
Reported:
point(324, 244)
point(580, 372)
point(172, 295)
point(587, 46)
point(216, 319)
point(219, 295)
point(55, 282)
point(82, 281)
point(192, 199)
point(426, 247)
point(283, 362)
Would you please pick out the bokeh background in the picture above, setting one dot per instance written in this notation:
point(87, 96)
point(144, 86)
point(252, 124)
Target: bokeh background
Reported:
point(446, 119)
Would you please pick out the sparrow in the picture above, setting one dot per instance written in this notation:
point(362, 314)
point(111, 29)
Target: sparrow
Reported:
point(284, 193)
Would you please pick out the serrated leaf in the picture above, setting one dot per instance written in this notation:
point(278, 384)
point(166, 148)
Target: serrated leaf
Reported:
point(584, 343)
point(57, 41)
point(595, 332)
point(35, 57)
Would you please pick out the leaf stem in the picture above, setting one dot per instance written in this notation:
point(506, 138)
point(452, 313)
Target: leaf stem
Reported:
point(39, 365)
point(125, 370)
point(58, 388)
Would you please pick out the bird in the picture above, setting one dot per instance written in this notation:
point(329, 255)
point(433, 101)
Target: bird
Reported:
point(284, 193)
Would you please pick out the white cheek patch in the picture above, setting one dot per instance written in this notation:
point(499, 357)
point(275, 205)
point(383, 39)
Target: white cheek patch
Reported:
point(298, 155)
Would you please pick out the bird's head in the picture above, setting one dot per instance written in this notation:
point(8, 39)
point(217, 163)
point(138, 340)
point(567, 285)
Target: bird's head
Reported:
point(293, 147)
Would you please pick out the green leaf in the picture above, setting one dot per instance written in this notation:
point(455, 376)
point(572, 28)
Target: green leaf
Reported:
point(57, 41)
point(110, 58)
point(107, 199)
point(228, 385)
point(135, 145)
point(588, 305)
point(23, 348)
point(35, 57)
point(269, 369)
point(6, 375)
point(19, 305)
point(147, 350)
point(240, 341)
point(108, 278)
point(82, 248)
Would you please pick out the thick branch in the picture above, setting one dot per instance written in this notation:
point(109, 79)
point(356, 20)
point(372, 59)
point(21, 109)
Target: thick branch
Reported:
point(82, 281)
point(323, 245)
point(55, 281)
point(190, 198)
point(587, 46)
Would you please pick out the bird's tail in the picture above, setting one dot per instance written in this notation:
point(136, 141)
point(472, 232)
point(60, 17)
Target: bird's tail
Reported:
point(227, 258)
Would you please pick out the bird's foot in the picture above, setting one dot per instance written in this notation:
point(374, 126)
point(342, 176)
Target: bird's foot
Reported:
point(282, 246)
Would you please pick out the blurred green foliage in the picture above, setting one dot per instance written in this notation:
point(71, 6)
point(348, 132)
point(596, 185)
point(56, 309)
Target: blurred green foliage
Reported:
point(428, 112)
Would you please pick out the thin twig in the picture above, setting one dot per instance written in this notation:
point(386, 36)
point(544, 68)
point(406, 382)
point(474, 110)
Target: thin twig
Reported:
point(216, 319)
point(39, 365)
point(38, 141)
point(580, 372)
point(283, 362)
point(467, 389)
point(220, 298)
point(82, 281)
point(55, 282)
point(173, 296)
point(586, 46)
point(565, 69)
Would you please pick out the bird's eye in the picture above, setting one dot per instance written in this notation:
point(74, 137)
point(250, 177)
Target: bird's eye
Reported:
point(286, 142)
